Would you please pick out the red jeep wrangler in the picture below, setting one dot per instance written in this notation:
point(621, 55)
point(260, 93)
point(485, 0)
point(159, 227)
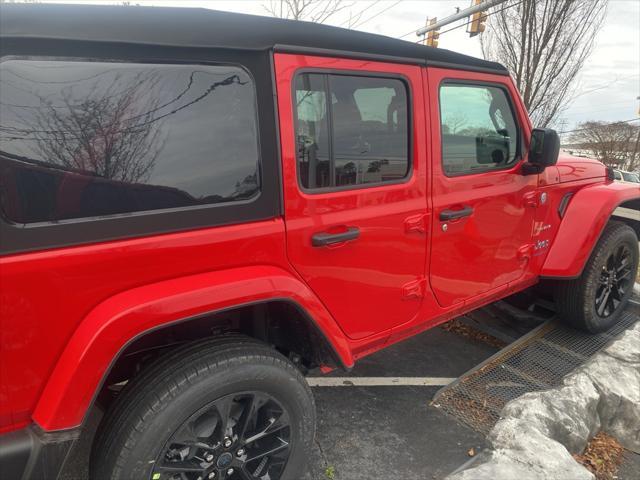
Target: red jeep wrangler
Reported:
point(198, 207)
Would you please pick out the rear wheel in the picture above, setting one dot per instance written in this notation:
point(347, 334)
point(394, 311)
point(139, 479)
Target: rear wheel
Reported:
point(230, 409)
point(595, 300)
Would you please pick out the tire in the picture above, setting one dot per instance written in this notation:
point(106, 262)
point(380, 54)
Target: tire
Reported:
point(180, 397)
point(577, 300)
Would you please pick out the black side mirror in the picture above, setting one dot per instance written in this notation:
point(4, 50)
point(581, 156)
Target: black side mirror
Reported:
point(544, 150)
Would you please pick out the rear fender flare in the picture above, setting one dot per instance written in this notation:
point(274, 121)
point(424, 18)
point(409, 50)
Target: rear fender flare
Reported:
point(117, 321)
point(582, 225)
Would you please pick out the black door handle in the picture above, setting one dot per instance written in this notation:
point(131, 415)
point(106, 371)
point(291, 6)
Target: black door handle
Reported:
point(453, 214)
point(324, 238)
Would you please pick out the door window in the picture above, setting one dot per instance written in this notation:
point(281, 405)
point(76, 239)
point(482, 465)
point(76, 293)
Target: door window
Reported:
point(358, 137)
point(478, 128)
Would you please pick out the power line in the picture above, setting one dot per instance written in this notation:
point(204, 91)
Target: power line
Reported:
point(359, 24)
point(608, 123)
point(359, 13)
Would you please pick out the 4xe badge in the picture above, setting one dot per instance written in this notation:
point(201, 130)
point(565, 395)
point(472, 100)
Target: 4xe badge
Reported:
point(541, 245)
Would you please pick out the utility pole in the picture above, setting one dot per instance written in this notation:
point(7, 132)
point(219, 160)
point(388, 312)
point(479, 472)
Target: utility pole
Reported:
point(481, 7)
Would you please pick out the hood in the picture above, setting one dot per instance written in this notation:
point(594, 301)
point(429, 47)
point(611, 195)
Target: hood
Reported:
point(572, 168)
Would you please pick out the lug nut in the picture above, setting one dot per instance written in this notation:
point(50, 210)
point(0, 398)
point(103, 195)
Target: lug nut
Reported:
point(240, 452)
point(211, 475)
point(209, 457)
point(227, 442)
point(230, 471)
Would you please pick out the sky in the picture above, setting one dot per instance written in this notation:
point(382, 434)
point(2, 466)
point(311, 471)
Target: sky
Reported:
point(608, 86)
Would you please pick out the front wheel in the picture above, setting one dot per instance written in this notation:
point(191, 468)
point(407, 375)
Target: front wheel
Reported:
point(231, 409)
point(594, 301)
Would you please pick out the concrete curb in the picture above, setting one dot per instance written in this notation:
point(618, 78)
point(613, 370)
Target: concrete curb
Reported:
point(539, 432)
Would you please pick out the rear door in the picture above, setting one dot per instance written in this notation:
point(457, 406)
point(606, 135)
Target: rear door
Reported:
point(354, 186)
point(483, 205)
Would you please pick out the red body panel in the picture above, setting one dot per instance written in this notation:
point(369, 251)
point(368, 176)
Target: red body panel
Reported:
point(361, 282)
point(573, 169)
point(66, 313)
point(487, 242)
point(110, 325)
point(588, 211)
point(47, 298)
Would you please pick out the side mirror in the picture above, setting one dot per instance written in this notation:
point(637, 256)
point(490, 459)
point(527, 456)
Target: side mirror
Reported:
point(544, 150)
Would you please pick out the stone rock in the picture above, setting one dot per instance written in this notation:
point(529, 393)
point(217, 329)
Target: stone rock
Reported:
point(627, 347)
point(522, 452)
point(619, 408)
point(537, 431)
point(568, 414)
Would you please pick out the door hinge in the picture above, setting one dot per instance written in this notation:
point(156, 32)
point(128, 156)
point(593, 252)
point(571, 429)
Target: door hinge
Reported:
point(415, 224)
point(414, 289)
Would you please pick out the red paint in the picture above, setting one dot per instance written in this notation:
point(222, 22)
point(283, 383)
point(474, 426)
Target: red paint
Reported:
point(487, 241)
point(386, 256)
point(122, 317)
point(66, 313)
point(588, 212)
point(573, 169)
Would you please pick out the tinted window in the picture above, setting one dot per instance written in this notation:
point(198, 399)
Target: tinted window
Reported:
point(479, 132)
point(630, 177)
point(84, 139)
point(351, 130)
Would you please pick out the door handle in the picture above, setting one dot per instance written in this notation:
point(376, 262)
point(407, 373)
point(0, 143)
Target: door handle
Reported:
point(454, 214)
point(324, 238)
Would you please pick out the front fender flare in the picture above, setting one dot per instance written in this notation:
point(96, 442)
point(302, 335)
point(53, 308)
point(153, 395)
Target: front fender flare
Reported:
point(112, 324)
point(586, 216)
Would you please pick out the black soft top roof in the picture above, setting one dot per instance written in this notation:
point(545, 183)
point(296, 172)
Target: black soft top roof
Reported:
point(187, 27)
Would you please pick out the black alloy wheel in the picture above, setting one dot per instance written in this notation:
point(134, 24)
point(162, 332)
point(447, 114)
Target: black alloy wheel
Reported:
point(615, 280)
point(226, 408)
point(595, 301)
point(243, 436)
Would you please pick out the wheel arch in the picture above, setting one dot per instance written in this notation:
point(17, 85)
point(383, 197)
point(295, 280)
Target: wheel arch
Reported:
point(112, 328)
point(586, 215)
point(629, 213)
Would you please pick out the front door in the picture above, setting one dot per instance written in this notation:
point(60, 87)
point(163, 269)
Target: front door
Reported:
point(354, 186)
point(483, 205)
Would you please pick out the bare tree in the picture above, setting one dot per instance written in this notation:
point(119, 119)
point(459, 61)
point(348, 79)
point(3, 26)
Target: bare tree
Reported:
point(616, 144)
point(318, 11)
point(544, 44)
point(454, 123)
point(113, 134)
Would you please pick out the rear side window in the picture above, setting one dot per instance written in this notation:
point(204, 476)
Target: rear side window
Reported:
point(84, 139)
point(351, 130)
point(479, 131)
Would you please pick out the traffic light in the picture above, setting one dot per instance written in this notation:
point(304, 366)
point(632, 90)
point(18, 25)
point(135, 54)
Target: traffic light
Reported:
point(477, 26)
point(432, 35)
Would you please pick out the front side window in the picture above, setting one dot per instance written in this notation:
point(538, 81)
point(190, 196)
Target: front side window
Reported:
point(478, 128)
point(83, 139)
point(350, 130)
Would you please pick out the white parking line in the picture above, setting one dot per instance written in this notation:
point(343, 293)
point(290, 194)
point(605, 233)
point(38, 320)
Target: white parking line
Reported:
point(378, 381)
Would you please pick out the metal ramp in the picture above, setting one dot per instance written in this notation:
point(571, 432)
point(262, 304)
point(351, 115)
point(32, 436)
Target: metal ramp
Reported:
point(537, 361)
